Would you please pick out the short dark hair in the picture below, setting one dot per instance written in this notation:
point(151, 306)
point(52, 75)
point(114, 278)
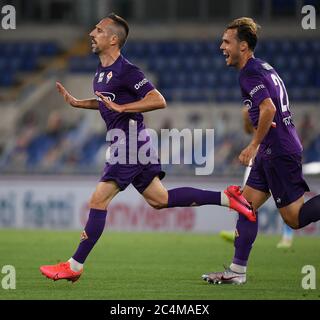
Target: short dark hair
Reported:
point(122, 23)
point(247, 30)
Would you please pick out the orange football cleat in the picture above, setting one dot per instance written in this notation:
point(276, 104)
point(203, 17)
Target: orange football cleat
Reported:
point(239, 203)
point(60, 271)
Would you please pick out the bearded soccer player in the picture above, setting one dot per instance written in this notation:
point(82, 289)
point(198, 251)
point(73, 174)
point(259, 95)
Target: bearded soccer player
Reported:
point(275, 147)
point(124, 93)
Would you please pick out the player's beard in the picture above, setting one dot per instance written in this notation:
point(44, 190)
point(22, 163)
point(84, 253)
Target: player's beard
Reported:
point(96, 50)
point(94, 47)
point(234, 60)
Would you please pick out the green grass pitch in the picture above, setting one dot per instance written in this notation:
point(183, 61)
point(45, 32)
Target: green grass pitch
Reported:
point(155, 266)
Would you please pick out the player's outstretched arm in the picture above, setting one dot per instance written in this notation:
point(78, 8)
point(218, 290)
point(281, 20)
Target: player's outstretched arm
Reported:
point(76, 103)
point(153, 100)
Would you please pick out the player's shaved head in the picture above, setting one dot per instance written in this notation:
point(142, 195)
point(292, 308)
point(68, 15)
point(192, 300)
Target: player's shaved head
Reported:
point(119, 27)
point(247, 30)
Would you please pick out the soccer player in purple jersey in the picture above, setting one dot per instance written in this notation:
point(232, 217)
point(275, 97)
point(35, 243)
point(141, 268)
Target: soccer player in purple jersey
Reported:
point(275, 147)
point(124, 93)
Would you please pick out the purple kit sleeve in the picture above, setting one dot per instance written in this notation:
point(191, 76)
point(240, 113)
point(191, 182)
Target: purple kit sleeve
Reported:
point(137, 82)
point(254, 87)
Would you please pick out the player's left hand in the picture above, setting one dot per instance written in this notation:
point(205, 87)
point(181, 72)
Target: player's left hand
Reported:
point(110, 104)
point(248, 154)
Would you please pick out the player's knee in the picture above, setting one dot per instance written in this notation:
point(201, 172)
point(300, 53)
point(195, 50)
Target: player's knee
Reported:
point(294, 225)
point(97, 203)
point(158, 204)
point(292, 222)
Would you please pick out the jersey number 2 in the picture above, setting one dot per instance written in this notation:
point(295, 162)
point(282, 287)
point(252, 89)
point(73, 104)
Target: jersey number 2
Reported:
point(284, 100)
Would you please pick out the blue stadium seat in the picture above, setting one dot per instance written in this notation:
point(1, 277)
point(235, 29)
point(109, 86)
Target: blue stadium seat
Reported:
point(91, 147)
point(168, 94)
point(200, 65)
point(210, 80)
point(29, 63)
point(218, 62)
point(302, 47)
point(22, 56)
point(167, 49)
point(280, 61)
point(190, 64)
point(287, 78)
point(204, 63)
point(174, 64)
point(6, 79)
point(49, 49)
point(39, 147)
point(212, 48)
point(315, 45)
point(286, 47)
point(296, 94)
point(83, 64)
point(293, 62)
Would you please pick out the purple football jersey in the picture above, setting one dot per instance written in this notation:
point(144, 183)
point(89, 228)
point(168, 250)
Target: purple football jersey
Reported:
point(123, 83)
point(258, 81)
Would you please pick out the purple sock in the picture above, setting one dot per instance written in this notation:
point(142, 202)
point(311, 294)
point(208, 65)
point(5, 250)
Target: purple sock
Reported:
point(246, 232)
point(186, 197)
point(91, 234)
point(310, 212)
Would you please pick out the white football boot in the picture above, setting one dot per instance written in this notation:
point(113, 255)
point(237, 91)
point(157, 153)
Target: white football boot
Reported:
point(225, 277)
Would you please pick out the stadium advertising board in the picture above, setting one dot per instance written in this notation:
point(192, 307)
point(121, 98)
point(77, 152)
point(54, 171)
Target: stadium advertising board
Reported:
point(64, 206)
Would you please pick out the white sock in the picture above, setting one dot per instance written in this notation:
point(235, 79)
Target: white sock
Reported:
point(224, 200)
point(75, 265)
point(237, 268)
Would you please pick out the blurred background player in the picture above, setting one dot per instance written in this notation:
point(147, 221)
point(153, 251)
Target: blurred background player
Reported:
point(285, 242)
point(124, 93)
point(286, 238)
point(275, 147)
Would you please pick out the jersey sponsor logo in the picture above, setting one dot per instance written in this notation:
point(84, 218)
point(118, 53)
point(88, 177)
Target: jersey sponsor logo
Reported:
point(101, 75)
point(109, 95)
point(138, 85)
point(109, 76)
point(256, 89)
point(248, 103)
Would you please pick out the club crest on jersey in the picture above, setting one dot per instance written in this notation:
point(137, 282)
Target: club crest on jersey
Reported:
point(83, 236)
point(109, 76)
point(101, 75)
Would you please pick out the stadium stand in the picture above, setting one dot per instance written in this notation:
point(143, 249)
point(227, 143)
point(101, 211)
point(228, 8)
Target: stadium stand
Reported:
point(195, 72)
point(186, 72)
point(22, 57)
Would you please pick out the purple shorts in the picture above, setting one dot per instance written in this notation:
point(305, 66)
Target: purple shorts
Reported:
point(281, 175)
point(139, 175)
